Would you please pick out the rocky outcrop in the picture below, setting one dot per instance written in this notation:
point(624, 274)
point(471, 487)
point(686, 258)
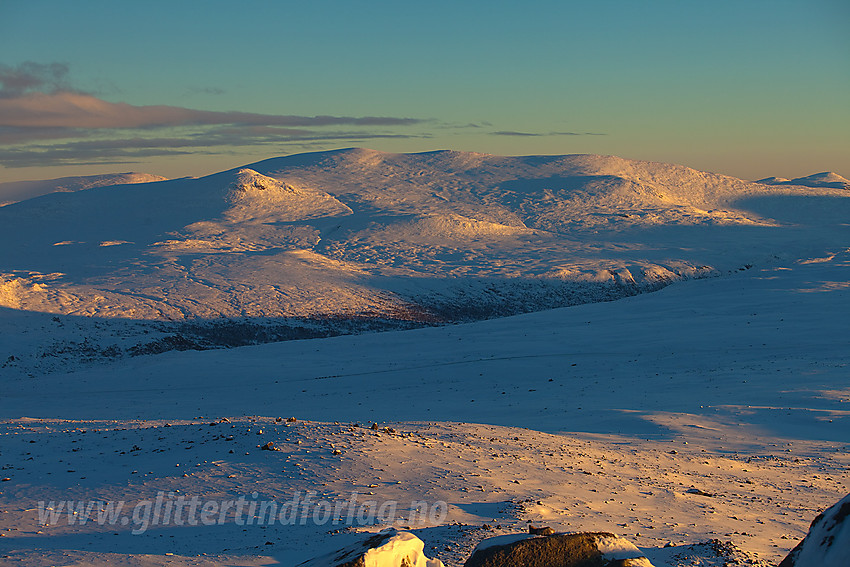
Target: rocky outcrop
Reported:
point(589, 549)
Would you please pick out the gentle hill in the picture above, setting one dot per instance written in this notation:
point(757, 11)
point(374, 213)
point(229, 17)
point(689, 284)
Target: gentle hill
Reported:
point(15, 191)
point(432, 236)
point(825, 179)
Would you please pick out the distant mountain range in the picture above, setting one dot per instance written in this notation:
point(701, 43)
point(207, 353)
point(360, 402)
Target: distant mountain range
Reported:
point(825, 179)
point(14, 191)
point(436, 236)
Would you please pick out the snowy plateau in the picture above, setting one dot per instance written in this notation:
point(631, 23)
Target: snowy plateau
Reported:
point(588, 343)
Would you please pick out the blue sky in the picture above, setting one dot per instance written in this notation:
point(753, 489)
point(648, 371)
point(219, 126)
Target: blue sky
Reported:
point(749, 88)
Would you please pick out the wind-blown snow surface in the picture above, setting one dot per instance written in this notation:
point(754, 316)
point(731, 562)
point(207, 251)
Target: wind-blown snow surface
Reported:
point(15, 191)
point(319, 244)
point(713, 409)
point(825, 179)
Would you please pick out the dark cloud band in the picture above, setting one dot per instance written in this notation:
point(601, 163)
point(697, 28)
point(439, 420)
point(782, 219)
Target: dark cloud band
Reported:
point(133, 149)
point(539, 134)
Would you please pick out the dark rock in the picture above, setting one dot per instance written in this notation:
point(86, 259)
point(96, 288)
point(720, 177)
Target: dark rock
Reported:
point(589, 549)
point(544, 530)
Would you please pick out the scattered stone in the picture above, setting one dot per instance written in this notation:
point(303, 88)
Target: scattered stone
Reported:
point(374, 427)
point(291, 420)
point(699, 492)
point(270, 447)
point(543, 530)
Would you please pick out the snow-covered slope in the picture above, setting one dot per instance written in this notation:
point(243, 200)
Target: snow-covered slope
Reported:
point(828, 542)
point(14, 191)
point(707, 422)
point(715, 410)
point(400, 236)
point(824, 179)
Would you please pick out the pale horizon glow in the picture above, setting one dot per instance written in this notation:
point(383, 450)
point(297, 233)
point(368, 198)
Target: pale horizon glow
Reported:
point(752, 90)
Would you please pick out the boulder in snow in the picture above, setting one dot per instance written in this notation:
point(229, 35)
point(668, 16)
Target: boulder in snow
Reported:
point(828, 542)
point(387, 548)
point(588, 549)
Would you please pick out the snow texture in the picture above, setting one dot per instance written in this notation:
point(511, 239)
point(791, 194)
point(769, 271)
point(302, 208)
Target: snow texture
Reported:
point(15, 191)
point(386, 549)
point(828, 542)
point(706, 422)
point(825, 179)
point(617, 548)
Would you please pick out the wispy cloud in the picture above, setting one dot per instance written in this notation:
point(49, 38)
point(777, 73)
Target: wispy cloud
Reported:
point(38, 105)
point(206, 90)
point(463, 126)
point(46, 121)
point(215, 141)
point(30, 76)
point(16, 136)
point(77, 110)
point(539, 134)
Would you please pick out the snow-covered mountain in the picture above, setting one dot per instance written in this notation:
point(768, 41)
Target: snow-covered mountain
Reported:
point(14, 191)
point(423, 237)
point(707, 422)
point(824, 179)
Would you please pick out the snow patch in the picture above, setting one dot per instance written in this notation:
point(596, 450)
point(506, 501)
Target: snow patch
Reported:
point(391, 549)
point(617, 548)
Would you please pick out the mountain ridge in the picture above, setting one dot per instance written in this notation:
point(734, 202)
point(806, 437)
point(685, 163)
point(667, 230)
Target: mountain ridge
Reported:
point(363, 233)
point(823, 179)
point(15, 191)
